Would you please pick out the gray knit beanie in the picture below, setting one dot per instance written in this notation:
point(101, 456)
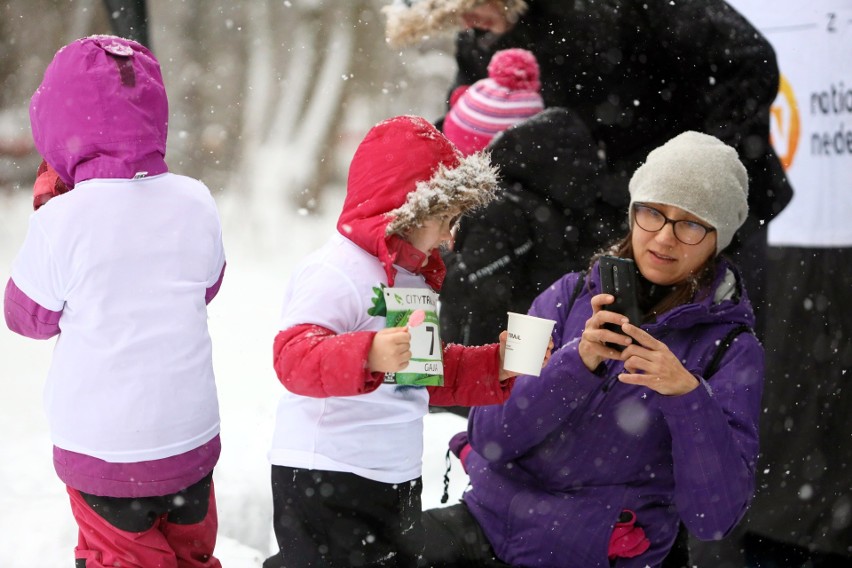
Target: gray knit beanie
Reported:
point(699, 174)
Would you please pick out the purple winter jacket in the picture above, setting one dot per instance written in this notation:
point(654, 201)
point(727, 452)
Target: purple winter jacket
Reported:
point(553, 467)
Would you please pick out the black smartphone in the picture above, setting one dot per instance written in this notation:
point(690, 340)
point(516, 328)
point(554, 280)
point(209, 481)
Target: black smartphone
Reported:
point(618, 277)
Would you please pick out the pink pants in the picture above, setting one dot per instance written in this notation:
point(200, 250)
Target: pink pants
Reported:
point(164, 545)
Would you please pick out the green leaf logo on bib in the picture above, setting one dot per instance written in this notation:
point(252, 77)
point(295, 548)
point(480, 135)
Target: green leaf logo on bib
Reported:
point(417, 309)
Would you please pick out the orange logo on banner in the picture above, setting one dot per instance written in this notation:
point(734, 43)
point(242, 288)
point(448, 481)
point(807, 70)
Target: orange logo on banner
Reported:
point(785, 127)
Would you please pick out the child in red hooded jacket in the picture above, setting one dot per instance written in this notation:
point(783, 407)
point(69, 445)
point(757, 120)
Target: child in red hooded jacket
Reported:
point(346, 454)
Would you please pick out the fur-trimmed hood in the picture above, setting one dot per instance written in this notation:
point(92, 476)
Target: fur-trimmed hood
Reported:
point(403, 172)
point(411, 21)
point(467, 186)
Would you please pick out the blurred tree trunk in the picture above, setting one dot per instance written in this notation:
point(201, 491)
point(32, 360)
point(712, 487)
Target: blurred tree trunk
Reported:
point(268, 99)
point(30, 33)
point(316, 77)
point(294, 101)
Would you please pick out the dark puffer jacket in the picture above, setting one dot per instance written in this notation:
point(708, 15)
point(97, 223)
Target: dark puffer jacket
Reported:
point(639, 72)
point(548, 221)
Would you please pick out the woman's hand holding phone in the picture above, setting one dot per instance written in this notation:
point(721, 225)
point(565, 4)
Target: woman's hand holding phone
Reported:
point(599, 337)
point(650, 363)
point(647, 361)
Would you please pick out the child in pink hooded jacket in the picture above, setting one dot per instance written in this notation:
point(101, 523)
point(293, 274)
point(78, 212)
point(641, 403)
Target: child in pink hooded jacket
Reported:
point(120, 268)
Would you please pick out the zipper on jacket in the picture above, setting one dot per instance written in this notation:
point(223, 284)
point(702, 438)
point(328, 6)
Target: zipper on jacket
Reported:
point(609, 383)
point(606, 387)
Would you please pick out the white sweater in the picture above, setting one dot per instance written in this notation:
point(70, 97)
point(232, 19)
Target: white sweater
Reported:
point(378, 435)
point(127, 262)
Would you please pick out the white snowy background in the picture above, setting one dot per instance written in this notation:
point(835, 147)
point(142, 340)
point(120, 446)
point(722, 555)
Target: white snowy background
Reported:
point(36, 526)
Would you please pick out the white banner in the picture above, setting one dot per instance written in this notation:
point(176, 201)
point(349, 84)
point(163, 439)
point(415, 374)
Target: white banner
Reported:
point(812, 116)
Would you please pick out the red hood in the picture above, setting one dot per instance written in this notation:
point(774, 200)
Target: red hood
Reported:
point(394, 156)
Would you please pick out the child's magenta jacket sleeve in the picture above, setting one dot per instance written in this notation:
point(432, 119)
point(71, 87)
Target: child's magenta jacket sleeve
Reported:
point(211, 291)
point(311, 360)
point(471, 377)
point(26, 317)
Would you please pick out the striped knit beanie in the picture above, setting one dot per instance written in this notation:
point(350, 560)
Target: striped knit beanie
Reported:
point(509, 95)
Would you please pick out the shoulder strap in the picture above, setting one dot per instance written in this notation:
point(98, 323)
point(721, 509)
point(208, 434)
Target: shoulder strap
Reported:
point(578, 287)
point(679, 554)
point(723, 346)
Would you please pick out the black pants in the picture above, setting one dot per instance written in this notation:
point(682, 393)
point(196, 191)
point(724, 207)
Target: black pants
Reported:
point(762, 552)
point(333, 519)
point(137, 514)
point(454, 540)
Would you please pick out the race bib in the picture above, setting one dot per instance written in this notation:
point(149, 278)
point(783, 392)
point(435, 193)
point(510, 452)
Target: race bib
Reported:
point(417, 309)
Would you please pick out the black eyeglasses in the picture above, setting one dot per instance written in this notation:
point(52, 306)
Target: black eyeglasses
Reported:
point(653, 220)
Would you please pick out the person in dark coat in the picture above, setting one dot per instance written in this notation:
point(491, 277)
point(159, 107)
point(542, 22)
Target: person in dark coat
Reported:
point(548, 221)
point(637, 72)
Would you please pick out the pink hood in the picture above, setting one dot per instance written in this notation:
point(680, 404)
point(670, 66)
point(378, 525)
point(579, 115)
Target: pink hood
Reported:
point(101, 111)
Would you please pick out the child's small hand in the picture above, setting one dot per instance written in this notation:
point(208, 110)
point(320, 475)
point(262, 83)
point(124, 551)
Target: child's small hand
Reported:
point(504, 374)
point(547, 354)
point(390, 351)
point(47, 185)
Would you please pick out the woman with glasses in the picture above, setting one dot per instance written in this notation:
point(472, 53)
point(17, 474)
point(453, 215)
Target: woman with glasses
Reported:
point(598, 461)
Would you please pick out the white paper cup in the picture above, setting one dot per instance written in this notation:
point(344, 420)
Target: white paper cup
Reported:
point(527, 343)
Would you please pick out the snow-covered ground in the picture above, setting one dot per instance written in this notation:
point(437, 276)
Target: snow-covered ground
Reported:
point(36, 527)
